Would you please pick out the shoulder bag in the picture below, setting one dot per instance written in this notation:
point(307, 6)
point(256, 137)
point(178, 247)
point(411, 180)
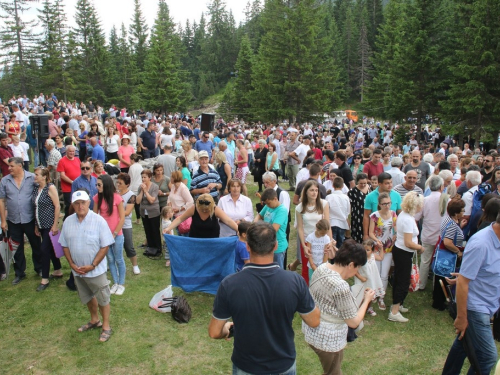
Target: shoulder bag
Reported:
point(444, 261)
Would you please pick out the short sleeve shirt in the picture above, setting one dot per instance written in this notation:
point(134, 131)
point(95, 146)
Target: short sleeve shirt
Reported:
point(317, 248)
point(72, 170)
point(114, 218)
point(278, 215)
point(371, 201)
point(406, 224)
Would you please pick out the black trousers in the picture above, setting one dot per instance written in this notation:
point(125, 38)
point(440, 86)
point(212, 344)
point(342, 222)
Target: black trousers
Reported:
point(152, 230)
point(67, 203)
point(47, 254)
point(402, 273)
point(17, 232)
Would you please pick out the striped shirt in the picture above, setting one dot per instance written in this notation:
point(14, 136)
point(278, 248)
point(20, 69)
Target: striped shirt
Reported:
point(84, 240)
point(202, 179)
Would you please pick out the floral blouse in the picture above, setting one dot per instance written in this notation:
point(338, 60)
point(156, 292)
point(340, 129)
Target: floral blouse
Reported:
point(384, 229)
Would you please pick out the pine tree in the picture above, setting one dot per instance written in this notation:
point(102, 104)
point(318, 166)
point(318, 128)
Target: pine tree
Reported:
point(54, 48)
point(364, 55)
point(19, 42)
point(294, 76)
point(163, 86)
point(473, 100)
point(91, 41)
point(138, 35)
point(375, 19)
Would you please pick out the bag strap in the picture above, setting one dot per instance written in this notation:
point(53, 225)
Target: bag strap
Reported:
point(444, 232)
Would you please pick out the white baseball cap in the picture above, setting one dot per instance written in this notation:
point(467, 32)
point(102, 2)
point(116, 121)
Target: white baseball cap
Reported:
point(79, 196)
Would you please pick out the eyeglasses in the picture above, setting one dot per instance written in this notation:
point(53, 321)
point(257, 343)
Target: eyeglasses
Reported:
point(204, 202)
point(85, 168)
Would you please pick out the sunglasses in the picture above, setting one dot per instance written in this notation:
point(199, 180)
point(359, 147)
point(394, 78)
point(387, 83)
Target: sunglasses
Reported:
point(85, 168)
point(204, 202)
point(98, 184)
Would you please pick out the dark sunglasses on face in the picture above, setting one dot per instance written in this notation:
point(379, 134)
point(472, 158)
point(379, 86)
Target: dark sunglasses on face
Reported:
point(85, 168)
point(204, 202)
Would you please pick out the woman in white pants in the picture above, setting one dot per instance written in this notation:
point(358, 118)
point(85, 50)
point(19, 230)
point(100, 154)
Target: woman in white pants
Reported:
point(383, 231)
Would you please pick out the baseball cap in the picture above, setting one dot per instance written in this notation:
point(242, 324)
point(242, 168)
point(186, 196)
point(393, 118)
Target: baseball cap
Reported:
point(203, 154)
point(79, 196)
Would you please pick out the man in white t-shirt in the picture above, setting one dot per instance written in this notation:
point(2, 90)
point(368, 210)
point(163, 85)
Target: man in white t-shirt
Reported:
point(301, 151)
point(473, 179)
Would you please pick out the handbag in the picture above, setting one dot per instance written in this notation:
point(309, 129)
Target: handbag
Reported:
point(180, 309)
point(157, 302)
point(415, 274)
point(444, 261)
point(277, 172)
point(185, 226)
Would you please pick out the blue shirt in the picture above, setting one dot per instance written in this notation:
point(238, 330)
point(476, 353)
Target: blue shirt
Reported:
point(20, 209)
point(84, 240)
point(149, 139)
point(98, 153)
point(197, 133)
point(278, 215)
point(481, 265)
point(90, 185)
point(202, 179)
point(371, 201)
point(204, 146)
point(241, 255)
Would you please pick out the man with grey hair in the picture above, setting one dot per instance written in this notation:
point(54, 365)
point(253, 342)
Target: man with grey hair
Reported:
point(431, 215)
point(454, 168)
point(229, 155)
point(18, 215)
point(74, 124)
point(429, 158)
point(54, 156)
point(398, 177)
point(473, 179)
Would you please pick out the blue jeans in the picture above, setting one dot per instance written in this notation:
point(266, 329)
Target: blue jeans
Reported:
point(291, 371)
point(338, 235)
point(481, 336)
point(280, 259)
point(116, 263)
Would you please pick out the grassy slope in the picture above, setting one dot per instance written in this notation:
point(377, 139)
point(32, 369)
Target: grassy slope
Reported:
point(39, 336)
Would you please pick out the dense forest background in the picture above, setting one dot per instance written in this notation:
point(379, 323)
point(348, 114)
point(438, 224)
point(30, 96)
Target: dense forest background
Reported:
point(290, 59)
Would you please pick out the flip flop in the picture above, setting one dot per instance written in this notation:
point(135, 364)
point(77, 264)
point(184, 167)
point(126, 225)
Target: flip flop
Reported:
point(90, 325)
point(105, 335)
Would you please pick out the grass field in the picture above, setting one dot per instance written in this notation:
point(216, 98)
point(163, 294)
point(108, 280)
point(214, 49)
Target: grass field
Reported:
point(39, 332)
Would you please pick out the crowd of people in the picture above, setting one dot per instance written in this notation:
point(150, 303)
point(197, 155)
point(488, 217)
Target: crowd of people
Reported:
point(366, 207)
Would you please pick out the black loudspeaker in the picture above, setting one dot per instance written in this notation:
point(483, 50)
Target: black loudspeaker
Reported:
point(207, 122)
point(39, 126)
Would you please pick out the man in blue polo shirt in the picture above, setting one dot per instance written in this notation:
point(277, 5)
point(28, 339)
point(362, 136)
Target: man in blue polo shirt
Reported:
point(205, 144)
point(147, 141)
point(97, 150)
point(262, 300)
point(371, 200)
point(478, 299)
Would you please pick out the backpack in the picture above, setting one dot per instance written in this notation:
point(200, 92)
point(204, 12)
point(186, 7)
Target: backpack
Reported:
point(481, 191)
point(180, 309)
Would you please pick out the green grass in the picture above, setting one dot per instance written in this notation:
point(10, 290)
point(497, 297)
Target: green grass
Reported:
point(38, 332)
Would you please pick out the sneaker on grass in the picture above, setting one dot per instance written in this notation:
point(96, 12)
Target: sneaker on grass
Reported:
point(397, 317)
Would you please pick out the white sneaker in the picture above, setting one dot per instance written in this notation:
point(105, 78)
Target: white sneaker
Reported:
point(403, 309)
point(136, 270)
point(114, 288)
point(120, 290)
point(397, 317)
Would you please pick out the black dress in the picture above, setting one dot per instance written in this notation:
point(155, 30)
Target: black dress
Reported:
point(209, 228)
point(260, 165)
point(357, 198)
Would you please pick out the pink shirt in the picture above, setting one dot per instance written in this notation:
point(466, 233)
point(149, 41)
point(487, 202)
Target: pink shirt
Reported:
point(114, 218)
point(125, 152)
point(431, 224)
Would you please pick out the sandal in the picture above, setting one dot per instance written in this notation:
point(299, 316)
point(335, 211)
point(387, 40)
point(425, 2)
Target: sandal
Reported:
point(105, 335)
point(90, 325)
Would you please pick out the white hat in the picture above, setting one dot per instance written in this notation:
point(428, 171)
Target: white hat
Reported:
point(293, 130)
point(202, 154)
point(125, 136)
point(79, 196)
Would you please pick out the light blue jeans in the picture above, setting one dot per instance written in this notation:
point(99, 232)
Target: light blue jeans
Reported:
point(480, 333)
point(116, 263)
point(291, 371)
point(280, 259)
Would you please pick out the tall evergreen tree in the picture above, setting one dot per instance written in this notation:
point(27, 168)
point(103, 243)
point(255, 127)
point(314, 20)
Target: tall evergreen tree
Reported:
point(138, 35)
point(164, 88)
point(364, 54)
point(293, 75)
point(54, 50)
point(473, 100)
point(19, 42)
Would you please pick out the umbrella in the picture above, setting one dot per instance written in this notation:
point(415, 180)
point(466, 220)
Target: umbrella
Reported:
point(466, 340)
point(6, 254)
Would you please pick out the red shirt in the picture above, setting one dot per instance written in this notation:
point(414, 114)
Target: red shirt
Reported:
point(373, 170)
point(72, 170)
point(318, 154)
point(5, 153)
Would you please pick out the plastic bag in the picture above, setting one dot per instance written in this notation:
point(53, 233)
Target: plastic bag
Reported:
point(415, 275)
point(157, 300)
